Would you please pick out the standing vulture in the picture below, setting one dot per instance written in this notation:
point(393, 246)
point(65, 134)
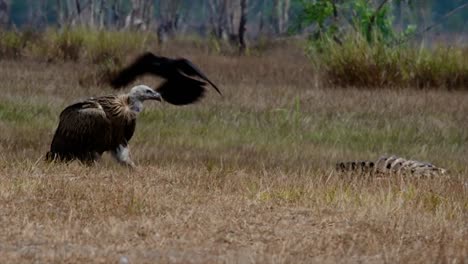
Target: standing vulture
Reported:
point(88, 128)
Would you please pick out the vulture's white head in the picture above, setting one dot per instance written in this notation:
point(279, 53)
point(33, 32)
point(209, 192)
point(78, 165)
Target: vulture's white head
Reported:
point(140, 93)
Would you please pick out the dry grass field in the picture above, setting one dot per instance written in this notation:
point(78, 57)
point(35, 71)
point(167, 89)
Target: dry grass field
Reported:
point(243, 178)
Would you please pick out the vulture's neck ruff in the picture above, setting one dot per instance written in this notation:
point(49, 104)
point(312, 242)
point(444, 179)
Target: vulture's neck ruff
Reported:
point(135, 104)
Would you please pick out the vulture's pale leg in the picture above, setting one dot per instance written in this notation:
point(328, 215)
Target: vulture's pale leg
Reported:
point(122, 155)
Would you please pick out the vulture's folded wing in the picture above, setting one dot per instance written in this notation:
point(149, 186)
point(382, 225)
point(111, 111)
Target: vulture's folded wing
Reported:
point(83, 127)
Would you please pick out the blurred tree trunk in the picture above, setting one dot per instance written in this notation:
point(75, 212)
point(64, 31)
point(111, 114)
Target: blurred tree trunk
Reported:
point(218, 17)
point(229, 20)
point(33, 13)
point(96, 15)
point(282, 15)
point(234, 20)
point(78, 13)
point(134, 15)
point(60, 13)
point(242, 25)
point(169, 18)
point(140, 15)
point(116, 17)
point(102, 13)
point(261, 14)
point(91, 17)
point(4, 13)
point(87, 14)
point(65, 11)
point(70, 13)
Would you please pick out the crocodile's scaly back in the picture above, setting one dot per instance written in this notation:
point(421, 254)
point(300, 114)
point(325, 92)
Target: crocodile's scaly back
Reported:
point(392, 165)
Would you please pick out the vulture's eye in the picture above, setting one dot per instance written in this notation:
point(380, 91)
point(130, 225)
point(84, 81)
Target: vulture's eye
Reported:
point(148, 91)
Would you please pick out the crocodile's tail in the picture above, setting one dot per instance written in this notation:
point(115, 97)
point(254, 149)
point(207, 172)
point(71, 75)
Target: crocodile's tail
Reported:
point(355, 166)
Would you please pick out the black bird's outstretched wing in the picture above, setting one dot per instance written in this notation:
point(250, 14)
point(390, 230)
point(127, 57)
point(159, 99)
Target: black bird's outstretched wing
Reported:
point(179, 88)
point(146, 63)
point(188, 68)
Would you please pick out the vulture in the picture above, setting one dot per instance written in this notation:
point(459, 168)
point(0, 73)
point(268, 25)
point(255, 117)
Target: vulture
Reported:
point(93, 126)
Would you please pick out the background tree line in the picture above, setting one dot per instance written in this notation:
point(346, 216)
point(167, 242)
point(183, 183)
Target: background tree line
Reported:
point(229, 19)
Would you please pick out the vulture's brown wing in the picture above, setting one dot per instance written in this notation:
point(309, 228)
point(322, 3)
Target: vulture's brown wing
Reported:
point(146, 63)
point(188, 68)
point(83, 127)
point(182, 91)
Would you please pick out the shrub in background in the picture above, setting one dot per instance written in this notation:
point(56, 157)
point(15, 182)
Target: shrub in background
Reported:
point(12, 43)
point(358, 63)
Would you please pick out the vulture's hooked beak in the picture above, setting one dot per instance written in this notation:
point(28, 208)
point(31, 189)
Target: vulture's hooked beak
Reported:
point(156, 96)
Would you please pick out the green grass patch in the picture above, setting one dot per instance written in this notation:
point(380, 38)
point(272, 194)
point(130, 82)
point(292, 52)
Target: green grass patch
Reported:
point(24, 113)
point(269, 136)
point(288, 135)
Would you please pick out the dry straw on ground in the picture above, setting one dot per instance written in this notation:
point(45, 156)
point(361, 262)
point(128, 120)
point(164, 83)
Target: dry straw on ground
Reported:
point(240, 179)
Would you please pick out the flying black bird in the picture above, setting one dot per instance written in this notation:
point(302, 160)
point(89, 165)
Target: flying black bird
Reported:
point(88, 128)
point(180, 86)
